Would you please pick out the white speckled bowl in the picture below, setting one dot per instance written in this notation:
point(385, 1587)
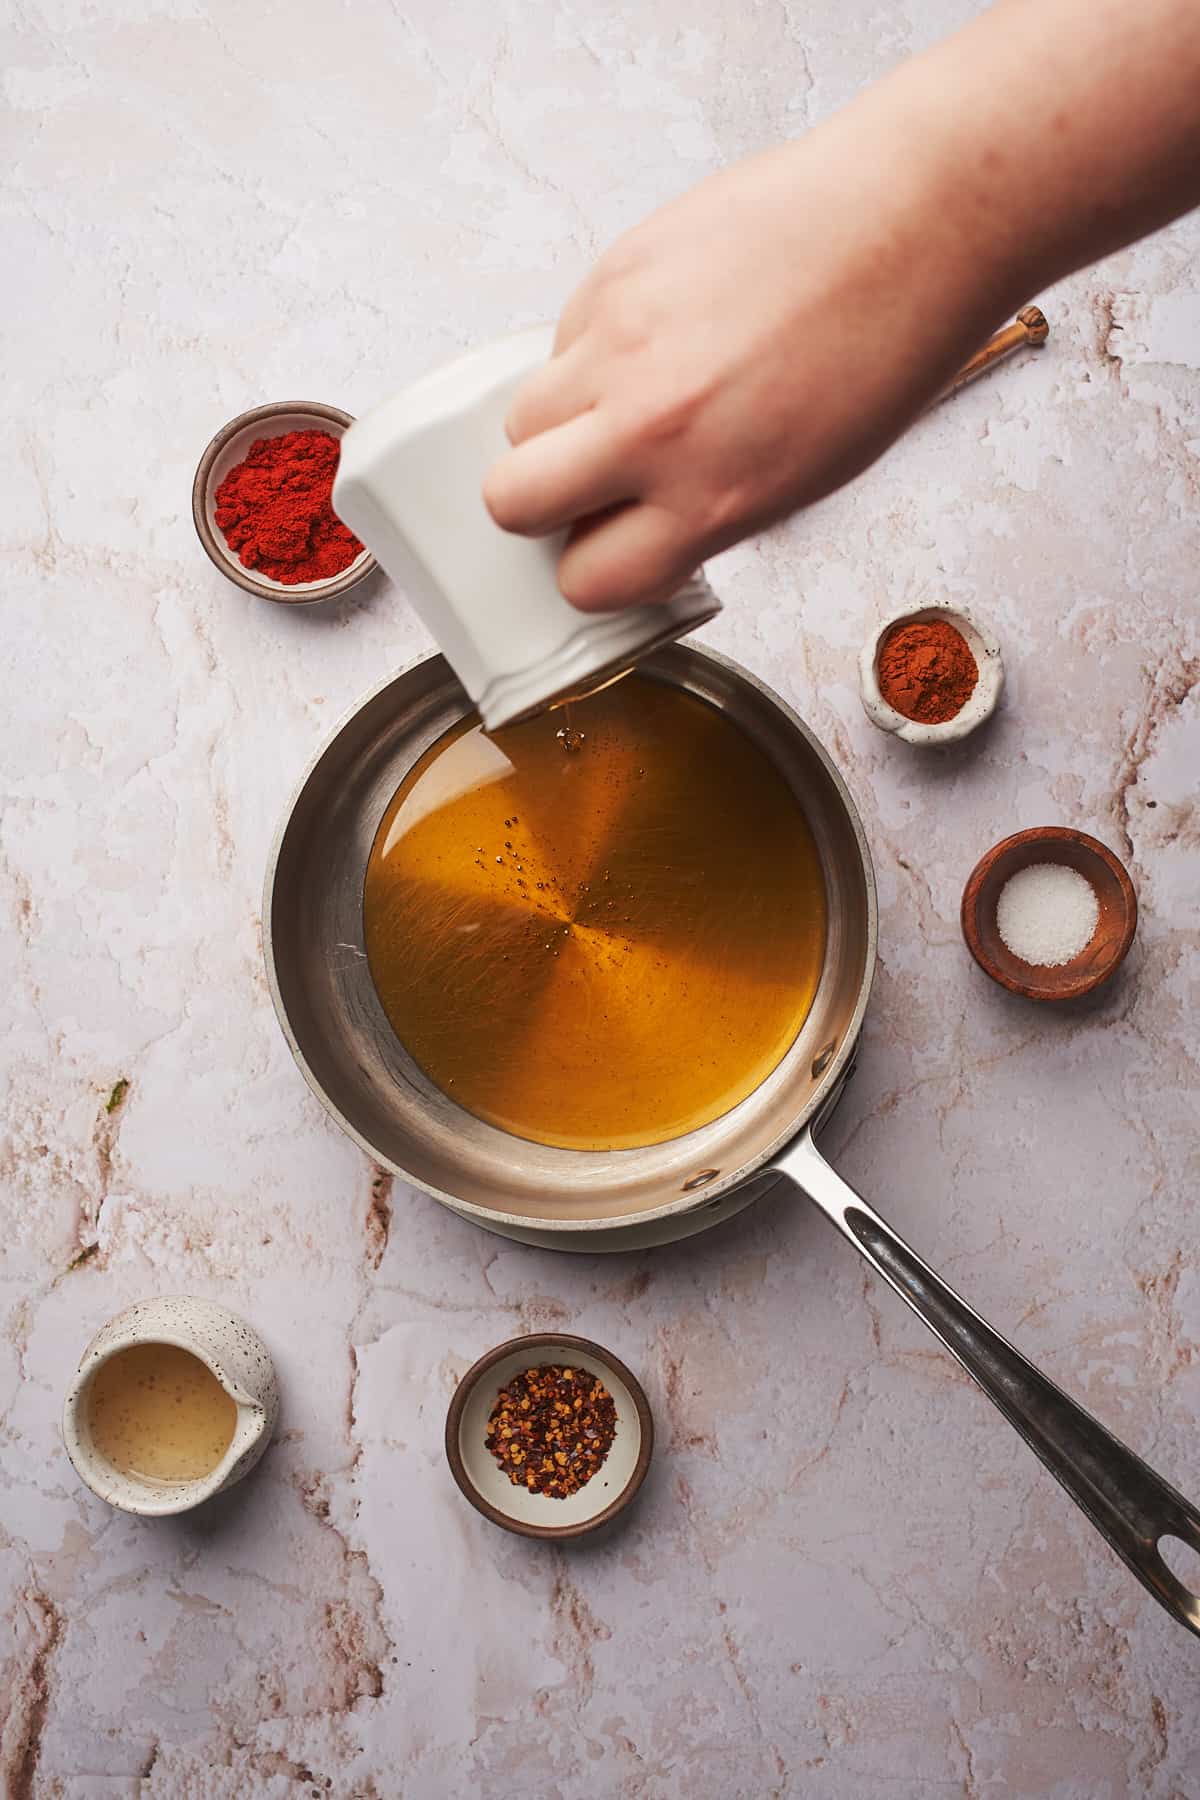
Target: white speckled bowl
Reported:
point(980, 706)
point(239, 1360)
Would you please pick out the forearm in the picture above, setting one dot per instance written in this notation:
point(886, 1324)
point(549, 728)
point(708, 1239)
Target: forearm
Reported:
point(1054, 131)
point(762, 339)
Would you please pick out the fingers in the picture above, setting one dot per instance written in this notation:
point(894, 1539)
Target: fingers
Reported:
point(550, 396)
point(636, 553)
point(576, 314)
point(556, 477)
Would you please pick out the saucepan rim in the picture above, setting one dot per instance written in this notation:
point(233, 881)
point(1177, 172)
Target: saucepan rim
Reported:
point(761, 1159)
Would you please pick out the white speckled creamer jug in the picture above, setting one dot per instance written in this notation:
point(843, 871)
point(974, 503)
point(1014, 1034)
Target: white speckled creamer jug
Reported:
point(409, 484)
point(237, 1358)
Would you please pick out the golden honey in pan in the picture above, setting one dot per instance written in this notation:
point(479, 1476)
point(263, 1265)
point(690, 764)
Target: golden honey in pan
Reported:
point(597, 934)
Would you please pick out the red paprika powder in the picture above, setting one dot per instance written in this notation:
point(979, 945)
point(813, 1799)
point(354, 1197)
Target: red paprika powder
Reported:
point(275, 509)
point(926, 670)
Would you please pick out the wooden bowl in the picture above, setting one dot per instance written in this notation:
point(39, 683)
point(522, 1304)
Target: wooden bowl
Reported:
point(486, 1485)
point(226, 450)
point(1109, 943)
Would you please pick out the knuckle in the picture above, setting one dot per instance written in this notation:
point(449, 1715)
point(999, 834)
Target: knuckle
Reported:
point(671, 413)
point(527, 408)
point(624, 316)
point(514, 421)
point(666, 419)
point(501, 499)
point(623, 256)
point(726, 507)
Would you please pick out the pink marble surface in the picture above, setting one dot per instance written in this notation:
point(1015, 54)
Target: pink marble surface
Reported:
point(846, 1576)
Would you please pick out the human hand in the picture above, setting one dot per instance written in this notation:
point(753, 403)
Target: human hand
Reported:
point(741, 353)
point(762, 339)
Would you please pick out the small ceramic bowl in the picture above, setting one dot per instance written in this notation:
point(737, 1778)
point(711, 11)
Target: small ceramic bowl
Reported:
point(1109, 943)
point(982, 703)
point(231, 1351)
point(228, 449)
point(486, 1485)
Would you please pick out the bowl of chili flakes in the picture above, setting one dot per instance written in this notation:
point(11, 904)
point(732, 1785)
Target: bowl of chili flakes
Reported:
point(549, 1435)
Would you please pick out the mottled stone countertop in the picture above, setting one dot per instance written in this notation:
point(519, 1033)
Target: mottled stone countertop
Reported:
point(846, 1577)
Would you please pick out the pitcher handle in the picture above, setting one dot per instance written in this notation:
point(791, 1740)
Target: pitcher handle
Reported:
point(1123, 1497)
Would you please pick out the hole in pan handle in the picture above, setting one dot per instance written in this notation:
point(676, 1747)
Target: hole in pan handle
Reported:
point(1125, 1500)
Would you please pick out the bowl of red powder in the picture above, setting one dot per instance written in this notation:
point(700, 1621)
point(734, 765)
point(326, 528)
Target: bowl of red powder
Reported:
point(931, 674)
point(262, 504)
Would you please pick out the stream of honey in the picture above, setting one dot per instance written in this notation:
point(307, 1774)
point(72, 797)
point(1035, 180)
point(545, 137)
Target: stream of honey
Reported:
point(601, 933)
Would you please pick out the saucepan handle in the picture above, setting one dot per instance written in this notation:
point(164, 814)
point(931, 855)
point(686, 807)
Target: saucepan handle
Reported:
point(1132, 1506)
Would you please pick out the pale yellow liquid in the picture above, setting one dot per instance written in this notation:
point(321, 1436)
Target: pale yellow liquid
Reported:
point(603, 940)
point(158, 1412)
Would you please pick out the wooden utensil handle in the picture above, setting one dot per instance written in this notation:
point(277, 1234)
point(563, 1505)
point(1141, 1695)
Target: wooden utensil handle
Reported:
point(1029, 327)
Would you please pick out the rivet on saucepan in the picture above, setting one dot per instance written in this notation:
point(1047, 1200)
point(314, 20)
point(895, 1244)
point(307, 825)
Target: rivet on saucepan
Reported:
point(824, 1057)
point(699, 1180)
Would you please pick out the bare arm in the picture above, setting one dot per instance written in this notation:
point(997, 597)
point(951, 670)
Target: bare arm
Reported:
point(762, 339)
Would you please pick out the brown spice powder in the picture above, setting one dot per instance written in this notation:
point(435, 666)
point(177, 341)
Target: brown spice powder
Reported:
point(926, 670)
point(551, 1429)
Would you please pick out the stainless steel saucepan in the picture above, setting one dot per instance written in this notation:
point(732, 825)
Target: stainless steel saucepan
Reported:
point(569, 1199)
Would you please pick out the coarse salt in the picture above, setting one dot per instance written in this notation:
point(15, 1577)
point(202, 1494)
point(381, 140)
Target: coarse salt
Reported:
point(1047, 914)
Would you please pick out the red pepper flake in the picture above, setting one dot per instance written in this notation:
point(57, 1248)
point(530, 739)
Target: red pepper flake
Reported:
point(276, 512)
point(551, 1429)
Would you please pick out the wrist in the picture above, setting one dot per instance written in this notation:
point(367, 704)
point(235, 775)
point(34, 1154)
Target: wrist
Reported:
point(929, 270)
point(1051, 132)
point(970, 200)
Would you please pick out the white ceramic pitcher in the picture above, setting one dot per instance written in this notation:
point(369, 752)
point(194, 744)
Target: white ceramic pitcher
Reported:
point(409, 485)
point(238, 1359)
